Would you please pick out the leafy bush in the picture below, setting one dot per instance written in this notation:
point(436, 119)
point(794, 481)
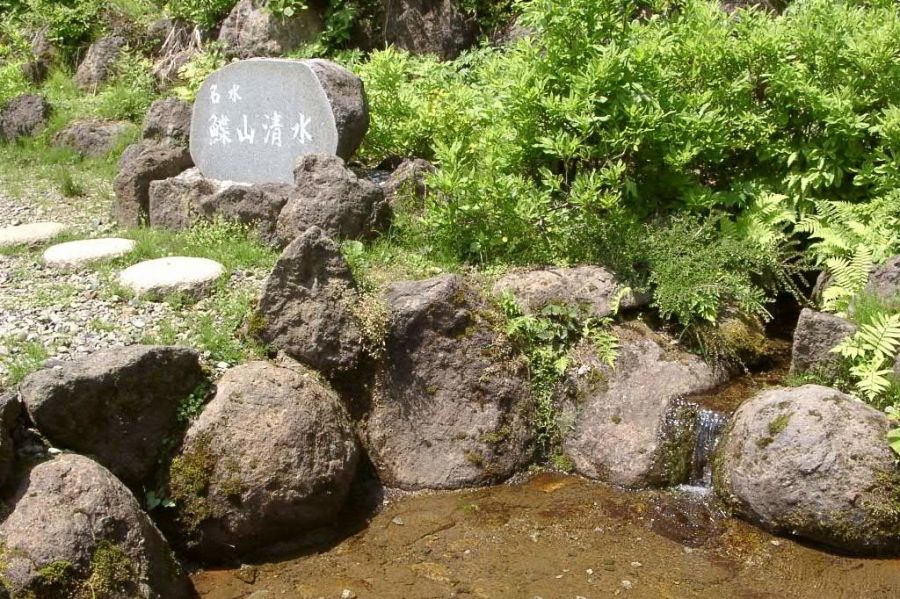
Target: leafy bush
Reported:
point(68, 23)
point(204, 13)
point(197, 70)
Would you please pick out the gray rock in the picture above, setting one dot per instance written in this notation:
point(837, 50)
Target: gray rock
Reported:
point(591, 288)
point(884, 283)
point(97, 66)
point(186, 276)
point(429, 27)
point(347, 96)
point(252, 119)
point(305, 308)
point(406, 185)
point(251, 30)
point(168, 120)
point(817, 333)
point(257, 205)
point(9, 412)
point(451, 406)
point(330, 196)
point(174, 203)
point(812, 462)
point(91, 138)
point(42, 56)
point(272, 455)
point(23, 116)
point(71, 517)
point(141, 164)
point(117, 405)
point(629, 425)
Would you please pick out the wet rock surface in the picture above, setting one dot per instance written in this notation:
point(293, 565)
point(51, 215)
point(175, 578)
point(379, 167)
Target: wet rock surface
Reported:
point(272, 455)
point(629, 424)
point(117, 405)
point(74, 528)
point(450, 406)
point(812, 462)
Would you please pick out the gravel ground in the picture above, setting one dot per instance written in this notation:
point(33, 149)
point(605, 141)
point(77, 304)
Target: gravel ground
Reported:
point(74, 313)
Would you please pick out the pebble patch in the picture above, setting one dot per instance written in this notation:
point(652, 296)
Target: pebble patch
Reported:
point(77, 253)
point(165, 276)
point(30, 234)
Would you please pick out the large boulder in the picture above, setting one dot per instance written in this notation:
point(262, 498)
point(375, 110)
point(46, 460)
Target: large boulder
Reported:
point(812, 462)
point(593, 289)
point(23, 116)
point(140, 165)
point(330, 196)
point(43, 54)
point(884, 283)
point(816, 334)
point(97, 66)
point(272, 455)
point(306, 306)
point(91, 138)
point(252, 30)
point(349, 106)
point(168, 121)
point(629, 424)
point(76, 531)
point(117, 405)
point(9, 412)
point(451, 405)
point(429, 27)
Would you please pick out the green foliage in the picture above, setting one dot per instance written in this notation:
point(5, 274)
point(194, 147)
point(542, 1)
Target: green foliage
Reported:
point(872, 350)
point(21, 359)
point(131, 91)
point(285, 8)
point(68, 186)
point(545, 339)
point(191, 406)
point(68, 23)
point(197, 70)
point(204, 13)
point(12, 80)
point(848, 240)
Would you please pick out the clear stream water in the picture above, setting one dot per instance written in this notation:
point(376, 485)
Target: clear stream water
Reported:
point(556, 536)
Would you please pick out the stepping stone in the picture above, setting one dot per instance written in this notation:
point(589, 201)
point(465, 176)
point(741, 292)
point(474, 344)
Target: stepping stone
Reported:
point(30, 234)
point(77, 253)
point(164, 276)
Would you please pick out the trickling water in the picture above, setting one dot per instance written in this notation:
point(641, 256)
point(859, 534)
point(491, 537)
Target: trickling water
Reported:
point(709, 427)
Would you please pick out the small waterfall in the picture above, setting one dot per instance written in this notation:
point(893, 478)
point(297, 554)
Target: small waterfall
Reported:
point(709, 426)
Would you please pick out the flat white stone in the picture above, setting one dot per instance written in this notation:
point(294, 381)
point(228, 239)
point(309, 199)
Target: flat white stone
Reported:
point(178, 274)
point(77, 253)
point(30, 234)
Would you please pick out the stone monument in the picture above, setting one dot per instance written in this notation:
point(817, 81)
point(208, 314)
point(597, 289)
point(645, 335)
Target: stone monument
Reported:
point(252, 119)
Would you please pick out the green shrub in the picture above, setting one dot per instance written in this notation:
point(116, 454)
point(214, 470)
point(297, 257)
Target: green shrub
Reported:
point(205, 13)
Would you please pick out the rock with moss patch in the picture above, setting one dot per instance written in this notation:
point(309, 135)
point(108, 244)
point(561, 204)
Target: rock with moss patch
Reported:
point(306, 306)
point(629, 425)
point(451, 406)
point(814, 463)
point(117, 404)
point(9, 412)
point(271, 456)
point(76, 531)
point(816, 334)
